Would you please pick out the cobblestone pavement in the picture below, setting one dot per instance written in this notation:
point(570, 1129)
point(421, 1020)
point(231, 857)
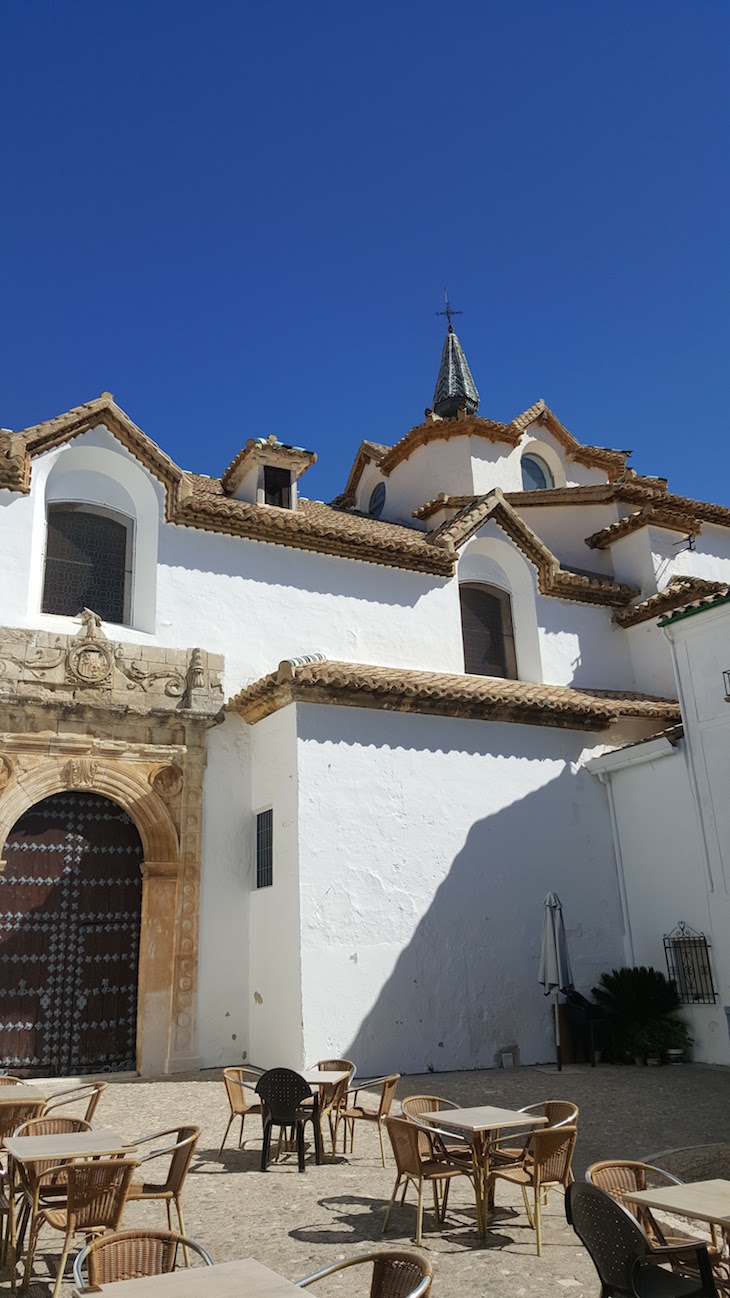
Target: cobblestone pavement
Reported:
point(297, 1224)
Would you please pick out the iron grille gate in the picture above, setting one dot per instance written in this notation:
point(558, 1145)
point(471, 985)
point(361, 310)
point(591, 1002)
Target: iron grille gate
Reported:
point(70, 899)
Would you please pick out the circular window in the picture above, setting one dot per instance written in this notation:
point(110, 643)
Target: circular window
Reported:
point(536, 475)
point(377, 500)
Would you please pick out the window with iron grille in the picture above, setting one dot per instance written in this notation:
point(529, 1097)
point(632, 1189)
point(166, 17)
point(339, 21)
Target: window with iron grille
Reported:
point(486, 624)
point(88, 563)
point(265, 849)
point(688, 965)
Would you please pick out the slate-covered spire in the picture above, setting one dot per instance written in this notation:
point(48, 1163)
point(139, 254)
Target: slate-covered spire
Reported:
point(455, 386)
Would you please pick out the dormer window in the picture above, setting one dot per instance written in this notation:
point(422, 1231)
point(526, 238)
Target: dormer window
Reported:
point(536, 475)
point(277, 486)
point(88, 563)
point(266, 472)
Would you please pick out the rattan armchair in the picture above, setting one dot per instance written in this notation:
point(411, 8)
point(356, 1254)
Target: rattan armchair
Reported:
point(415, 1169)
point(179, 1149)
point(627, 1264)
point(333, 1097)
point(559, 1113)
point(37, 1182)
point(132, 1254)
point(397, 1273)
point(546, 1164)
point(240, 1084)
point(6, 1079)
point(434, 1142)
point(619, 1177)
point(352, 1112)
point(89, 1095)
point(11, 1117)
point(96, 1194)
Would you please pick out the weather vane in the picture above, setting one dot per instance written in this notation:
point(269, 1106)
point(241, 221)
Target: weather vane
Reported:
point(449, 309)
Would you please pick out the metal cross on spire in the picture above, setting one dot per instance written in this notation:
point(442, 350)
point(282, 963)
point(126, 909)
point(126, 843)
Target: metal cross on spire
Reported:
point(449, 311)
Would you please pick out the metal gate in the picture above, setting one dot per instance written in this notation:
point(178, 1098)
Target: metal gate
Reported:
point(70, 899)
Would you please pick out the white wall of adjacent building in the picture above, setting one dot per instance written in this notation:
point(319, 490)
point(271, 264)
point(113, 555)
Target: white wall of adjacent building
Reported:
point(671, 822)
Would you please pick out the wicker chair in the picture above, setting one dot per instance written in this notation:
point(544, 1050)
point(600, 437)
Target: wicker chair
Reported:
point(11, 1117)
point(619, 1177)
point(559, 1113)
point(7, 1080)
point(414, 1169)
point(88, 1095)
point(397, 1273)
point(333, 1097)
point(240, 1084)
point(352, 1112)
point(547, 1162)
point(627, 1265)
point(132, 1254)
point(180, 1151)
point(96, 1194)
point(37, 1183)
point(283, 1094)
point(432, 1143)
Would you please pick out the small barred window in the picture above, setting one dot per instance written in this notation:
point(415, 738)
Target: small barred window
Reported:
point(265, 849)
point(88, 563)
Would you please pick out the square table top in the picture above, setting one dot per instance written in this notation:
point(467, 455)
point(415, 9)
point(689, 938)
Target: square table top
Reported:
point(698, 1200)
point(485, 1117)
point(321, 1077)
point(224, 1280)
point(72, 1144)
point(17, 1094)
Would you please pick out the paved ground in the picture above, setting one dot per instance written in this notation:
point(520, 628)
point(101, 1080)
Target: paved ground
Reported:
point(297, 1224)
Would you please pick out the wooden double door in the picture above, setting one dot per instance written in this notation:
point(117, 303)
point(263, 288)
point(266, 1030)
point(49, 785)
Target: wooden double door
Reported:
point(70, 903)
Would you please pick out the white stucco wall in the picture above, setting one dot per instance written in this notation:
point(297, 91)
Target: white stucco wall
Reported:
point(274, 982)
point(421, 920)
point(227, 877)
point(659, 853)
point(564, 530)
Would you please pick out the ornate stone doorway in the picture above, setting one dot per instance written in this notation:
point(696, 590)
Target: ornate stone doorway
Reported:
point(70, 905)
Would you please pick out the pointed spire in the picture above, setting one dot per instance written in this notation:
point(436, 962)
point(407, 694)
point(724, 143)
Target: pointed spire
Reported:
point(455, 386)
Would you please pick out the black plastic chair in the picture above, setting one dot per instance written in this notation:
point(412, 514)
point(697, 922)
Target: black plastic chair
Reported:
point(282, 1094)
point(627, 1264)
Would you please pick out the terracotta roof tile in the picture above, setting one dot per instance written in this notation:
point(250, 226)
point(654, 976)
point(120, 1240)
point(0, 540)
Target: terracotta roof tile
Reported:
point(677, 595)
point(552, 578)
point(650, 516)
point(719, 596)
point(312, 526)
point(482, 698)
point(601, 457)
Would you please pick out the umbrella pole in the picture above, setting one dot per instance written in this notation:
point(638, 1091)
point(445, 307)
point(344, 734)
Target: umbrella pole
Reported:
point(558, 1046)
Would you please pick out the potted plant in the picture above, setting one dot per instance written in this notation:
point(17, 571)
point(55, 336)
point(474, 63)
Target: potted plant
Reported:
point(676, 1040)
point(637, 1003)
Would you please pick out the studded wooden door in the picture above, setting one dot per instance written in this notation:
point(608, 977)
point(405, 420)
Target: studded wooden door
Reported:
point(70, 898)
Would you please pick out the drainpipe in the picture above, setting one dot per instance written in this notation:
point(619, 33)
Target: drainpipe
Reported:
point(605, 778)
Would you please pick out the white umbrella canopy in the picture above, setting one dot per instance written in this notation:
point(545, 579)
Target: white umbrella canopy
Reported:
point(555, 973)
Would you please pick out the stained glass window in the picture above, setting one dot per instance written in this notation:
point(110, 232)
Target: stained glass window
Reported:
point(86, 563)
point(536, 475)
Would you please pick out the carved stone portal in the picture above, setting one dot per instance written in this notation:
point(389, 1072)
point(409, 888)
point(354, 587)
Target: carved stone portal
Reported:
point(139, 716)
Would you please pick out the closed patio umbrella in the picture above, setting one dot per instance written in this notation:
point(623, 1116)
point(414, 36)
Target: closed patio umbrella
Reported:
point(555, 973)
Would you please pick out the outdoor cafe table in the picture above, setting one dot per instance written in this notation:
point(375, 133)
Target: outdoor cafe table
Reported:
point(698, 1200)
point(320, 1076)
point(56, 1149)
point(17, 1094)
point(479, 1125)
point(223, 1280)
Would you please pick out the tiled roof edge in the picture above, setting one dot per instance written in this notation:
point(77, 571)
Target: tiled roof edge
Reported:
point(552, 579)
point(678, 593)
point(474, 697)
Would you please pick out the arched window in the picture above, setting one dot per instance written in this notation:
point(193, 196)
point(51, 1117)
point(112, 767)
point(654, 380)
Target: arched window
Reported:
point(88, 563)
point(486, 624)
point(536, 475)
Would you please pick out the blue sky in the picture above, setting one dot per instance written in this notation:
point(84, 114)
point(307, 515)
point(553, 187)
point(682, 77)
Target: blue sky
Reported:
point(240, 218)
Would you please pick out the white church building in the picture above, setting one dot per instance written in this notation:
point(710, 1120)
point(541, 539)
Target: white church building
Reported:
point(282, 780)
